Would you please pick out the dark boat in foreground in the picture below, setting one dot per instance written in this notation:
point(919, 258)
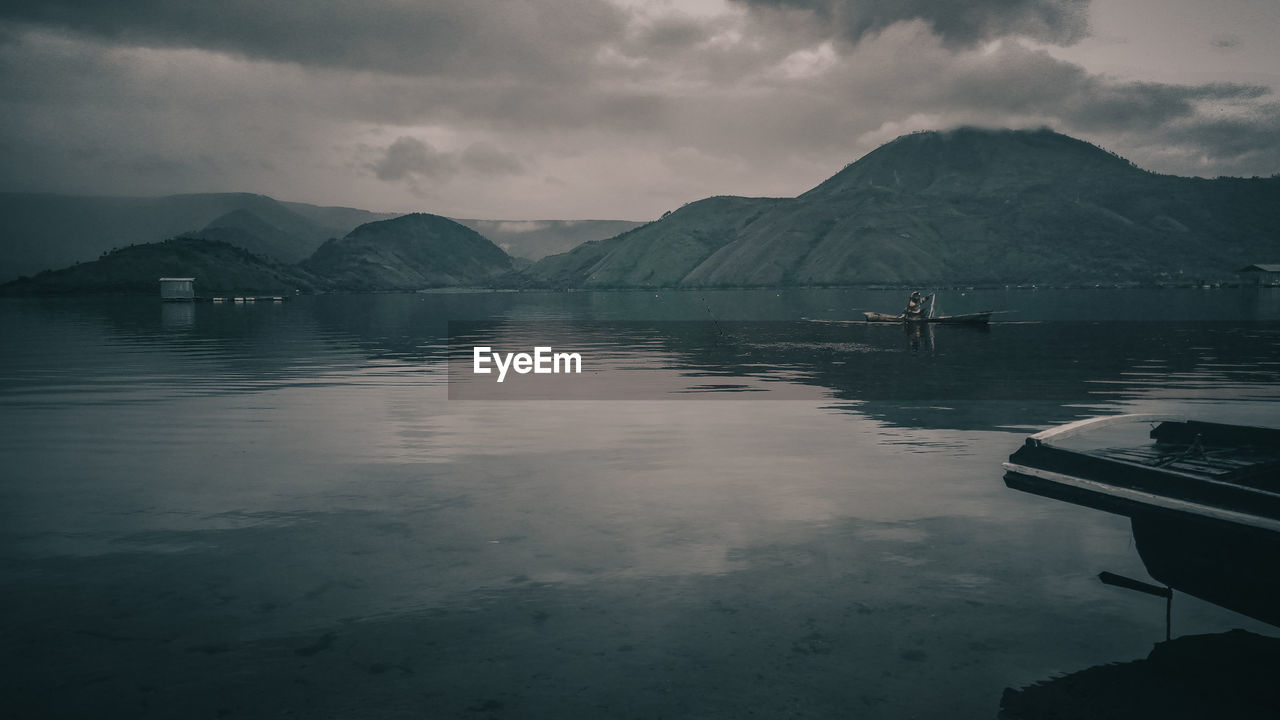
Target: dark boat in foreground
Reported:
point(1203, 498)
point(978, 318)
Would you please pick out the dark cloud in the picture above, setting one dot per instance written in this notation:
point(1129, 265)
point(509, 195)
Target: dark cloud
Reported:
point(1026, 82)
point(1226, 42)
point(958, 23)
point(1230, 146)
point(674, 32)
point(569, 108)
point(411, 161)
point(411, 156)
point(415, 38)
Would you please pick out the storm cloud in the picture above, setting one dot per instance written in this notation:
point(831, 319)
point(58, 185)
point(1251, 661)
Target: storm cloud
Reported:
point(442, 37)
point(957, 23)
point(547, 108)
point(410, 156)
point(412, 160)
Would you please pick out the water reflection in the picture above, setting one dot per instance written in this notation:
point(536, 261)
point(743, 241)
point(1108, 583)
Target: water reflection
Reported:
point(1200, 676)
point(177, 315)
point(1013, 374)
point(287, 489)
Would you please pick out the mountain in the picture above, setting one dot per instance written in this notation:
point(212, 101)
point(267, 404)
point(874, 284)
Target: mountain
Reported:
point(244, 228)
point(219, 269)
point(341, 219)
point(411, 252)
point(41, 231)
point(963, 206)
point(535, 239)
point(658, 254)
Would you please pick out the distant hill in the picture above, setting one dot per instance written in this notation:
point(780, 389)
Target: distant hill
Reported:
point(535, 239)
point(411, 252)
point(219, 269)
point(44, 231)
point(244, 228)
point(341, 219)
point(660, 254)
point(964, 206)
point(967, 206)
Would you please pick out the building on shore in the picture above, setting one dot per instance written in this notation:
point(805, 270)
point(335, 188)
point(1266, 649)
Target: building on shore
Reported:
point(175, 289)
point(1264, 273)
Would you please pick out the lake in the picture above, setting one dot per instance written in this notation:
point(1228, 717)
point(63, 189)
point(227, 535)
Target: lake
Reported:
point(747, 504)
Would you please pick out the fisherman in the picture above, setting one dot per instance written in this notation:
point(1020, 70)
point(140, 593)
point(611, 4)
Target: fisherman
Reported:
point(915, 306)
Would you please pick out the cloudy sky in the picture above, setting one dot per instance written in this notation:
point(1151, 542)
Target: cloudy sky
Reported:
point(604, 108)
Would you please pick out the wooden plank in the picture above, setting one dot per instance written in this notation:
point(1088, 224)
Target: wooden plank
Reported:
point(1090, 424)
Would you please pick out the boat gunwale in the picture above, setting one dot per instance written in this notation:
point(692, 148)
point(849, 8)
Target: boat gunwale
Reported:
point(1079, 427)
point(1141, 500)
point(1108, 482)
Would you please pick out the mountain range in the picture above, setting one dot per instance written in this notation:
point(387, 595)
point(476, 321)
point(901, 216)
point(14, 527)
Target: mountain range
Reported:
point(406, 253)
point(965, 206)
point(44, 231)
point(40, 231)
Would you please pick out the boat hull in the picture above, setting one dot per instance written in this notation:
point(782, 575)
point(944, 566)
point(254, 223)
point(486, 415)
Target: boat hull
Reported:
point(1233, 566)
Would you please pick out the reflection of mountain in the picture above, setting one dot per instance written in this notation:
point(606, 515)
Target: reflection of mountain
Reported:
point(964, 206)
point(1229, 675)
point(1015, 375)
point(276, 342)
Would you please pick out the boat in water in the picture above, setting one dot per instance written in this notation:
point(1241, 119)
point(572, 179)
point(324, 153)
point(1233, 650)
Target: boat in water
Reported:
point(978, 318)
point(1203, 498)
point(916, 312)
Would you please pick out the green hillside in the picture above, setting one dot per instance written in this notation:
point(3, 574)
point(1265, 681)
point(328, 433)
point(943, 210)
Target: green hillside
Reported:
point(411, 252)
point(219, 269)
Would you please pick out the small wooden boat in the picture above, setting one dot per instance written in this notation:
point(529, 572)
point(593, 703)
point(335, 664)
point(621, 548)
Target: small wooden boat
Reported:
point(1203, 498)
point(978, 318)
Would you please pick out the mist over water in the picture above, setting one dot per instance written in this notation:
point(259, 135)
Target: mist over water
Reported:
point(240, 510)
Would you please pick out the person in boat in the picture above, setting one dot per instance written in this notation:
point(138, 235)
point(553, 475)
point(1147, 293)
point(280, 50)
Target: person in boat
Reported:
point(915, 306)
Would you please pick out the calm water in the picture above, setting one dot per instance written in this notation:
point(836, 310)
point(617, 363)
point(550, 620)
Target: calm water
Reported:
point(250, 511)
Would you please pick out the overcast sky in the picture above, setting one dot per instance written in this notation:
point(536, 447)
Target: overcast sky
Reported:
point(604, 109)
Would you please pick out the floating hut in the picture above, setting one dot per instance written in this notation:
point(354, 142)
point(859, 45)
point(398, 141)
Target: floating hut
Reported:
point(177, 289)
point(1266, 273)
